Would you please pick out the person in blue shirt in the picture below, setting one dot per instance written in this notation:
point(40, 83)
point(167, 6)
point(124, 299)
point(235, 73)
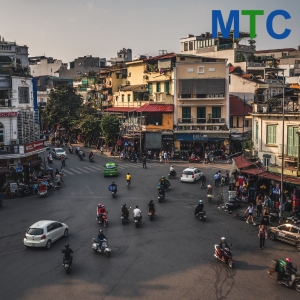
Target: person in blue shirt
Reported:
point(217, 178)
point(113, 187)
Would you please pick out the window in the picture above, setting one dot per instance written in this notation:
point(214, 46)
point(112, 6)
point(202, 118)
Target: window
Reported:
point(294, 230)
point(158, 87)
point(150, 88)
point(167, 87)
point(123, 96)
point(246, 123)
point(284, 227)
point(23, 94)
point(256, 131)
point(266, 161)
point(292, 141)
point(191, 44)
point(201, 70)
point(186, 115)
point(1, 133)
point(231, 122)
point(154, 119)
point(271, 134)
point(186, 46)
point(216, 112)
point(128, 97)
point(237, 122)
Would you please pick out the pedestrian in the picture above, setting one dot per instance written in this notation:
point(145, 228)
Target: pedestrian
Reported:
point(262, 234)
point(161, 157)
point(258, 206)
point(265, 219)
point(209, 193)
point(165, 157)
point(122, 156)
point(144, 162)
point(216, 176)
point(250, 213)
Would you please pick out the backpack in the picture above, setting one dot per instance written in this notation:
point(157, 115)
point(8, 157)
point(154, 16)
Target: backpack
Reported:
point(280, 266)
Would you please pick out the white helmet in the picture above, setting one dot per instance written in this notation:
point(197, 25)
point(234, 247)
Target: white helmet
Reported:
point(222, 238)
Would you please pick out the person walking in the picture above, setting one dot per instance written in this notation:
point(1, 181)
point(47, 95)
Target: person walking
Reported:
point(217, 178)
point(265, 219)
point(161, 158)
point(258, 206)
point(250, 213)
point(262, 234)
point(165, 157)
point(144, 162)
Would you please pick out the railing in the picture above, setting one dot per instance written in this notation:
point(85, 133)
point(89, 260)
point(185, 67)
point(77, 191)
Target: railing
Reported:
point(5, 103)
point(225, 47)
point(201, 120)
point(212, 127)
point(255, 64)
point(289, 150)
point(9, 149)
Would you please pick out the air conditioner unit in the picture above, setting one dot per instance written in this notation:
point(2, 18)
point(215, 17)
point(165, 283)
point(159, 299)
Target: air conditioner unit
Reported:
point(180, 127)
point(12, 167)
point(202, 127)
point(216, 128)
point(145, 76)
point(127, 82)
point(14, 142)
point(188, 127)
point(222, 120)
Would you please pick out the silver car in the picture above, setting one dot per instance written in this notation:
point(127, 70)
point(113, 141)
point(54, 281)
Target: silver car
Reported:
point(44, 233)
point(58, 152)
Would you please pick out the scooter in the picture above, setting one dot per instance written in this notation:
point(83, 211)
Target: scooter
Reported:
point(128, 184)
point(227, 255)
point(125, 217)
point(91, 159)
point(151, 215)
point(103, 219)
point(137, 221)
point(71, 150)
point(233, 203)
point(114, 193)
point(202, 182)
point(201, 215)
point(172, 174)
point(50, 159)
point(161, 196)
point(195, 159)
point(67, 264)
point(81, 155)
point(104, 247)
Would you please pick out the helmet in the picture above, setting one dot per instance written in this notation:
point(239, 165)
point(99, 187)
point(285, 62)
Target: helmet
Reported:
point(99, 205)
point(103, 206)
point(222, 238)
point(67, 245)
point(200, 201)
point(288, 260)
point(113, 182)
point(124, 205)
point(172, 166)
point(137, 206)
point(100, 231)
point(162, 176)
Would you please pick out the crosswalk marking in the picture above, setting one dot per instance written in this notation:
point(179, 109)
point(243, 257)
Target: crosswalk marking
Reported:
point(76, 171)
point(90, 169)
point(84, 171)
point(68, 172)
point(97, 169)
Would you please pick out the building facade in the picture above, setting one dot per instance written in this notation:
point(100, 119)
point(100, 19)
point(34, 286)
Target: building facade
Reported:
point(41, 66)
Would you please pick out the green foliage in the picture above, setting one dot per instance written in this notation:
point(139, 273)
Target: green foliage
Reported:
point(248, 143)
point(240, 57)
point(62, 107)
point(110, 127)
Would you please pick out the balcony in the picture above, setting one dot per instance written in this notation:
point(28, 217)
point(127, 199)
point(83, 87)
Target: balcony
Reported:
point(208, 121)
point(251, 64)
point(5, 103)
point(201, 96)
point(9, 149)
point(290, 152)
point(203, 128)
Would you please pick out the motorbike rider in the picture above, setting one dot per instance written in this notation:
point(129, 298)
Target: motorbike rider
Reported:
point(199, 207)
point(128, 178)
point(193, 155)
point(113, 187)
point(56, 172)
point(100, 238)
point(172, 171)
point(162, 182)
point(289, 269)
point(91, 155)
point(67, 254)
point(226, 177)
point(101, 149)
point(151, 207)
point(137, 213)
point(125, 211)
point(161, 191)
point(223, 245)
point(63, 160)
point(100, 211)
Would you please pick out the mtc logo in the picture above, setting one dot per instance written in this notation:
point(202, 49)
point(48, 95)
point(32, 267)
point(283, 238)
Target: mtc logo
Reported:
point(234, 18)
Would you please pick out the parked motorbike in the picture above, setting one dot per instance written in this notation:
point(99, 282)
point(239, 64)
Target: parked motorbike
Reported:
point(137, 221)
point(172, 174)
point(103, 219)
point(201, 215)
point(227, 255)
point(294, 217)
point(104, 247)
point(274, 216)
point(161, 196)
point(195, 159)
point(91, 159)
point(24, 191)
point(233, 203)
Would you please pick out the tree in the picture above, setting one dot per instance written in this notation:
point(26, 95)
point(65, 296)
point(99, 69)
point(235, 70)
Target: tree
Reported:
point(110, 127)
point(62, 107)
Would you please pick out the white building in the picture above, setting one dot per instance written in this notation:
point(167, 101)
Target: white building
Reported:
point(41, 66)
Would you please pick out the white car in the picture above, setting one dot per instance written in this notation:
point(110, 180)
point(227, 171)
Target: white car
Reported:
point(44, 233)
point(190, 174)
point(58, 152)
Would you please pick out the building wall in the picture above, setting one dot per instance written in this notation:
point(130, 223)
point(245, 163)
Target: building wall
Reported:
point(167, 124)
point(45, 68)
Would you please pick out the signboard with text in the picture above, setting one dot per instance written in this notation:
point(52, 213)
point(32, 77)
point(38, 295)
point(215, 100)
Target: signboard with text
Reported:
point(30, 147)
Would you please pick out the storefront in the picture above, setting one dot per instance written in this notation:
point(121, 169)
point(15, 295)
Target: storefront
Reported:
point(167, 140)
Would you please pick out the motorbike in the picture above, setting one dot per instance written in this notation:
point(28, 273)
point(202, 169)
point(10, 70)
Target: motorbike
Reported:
point(91, 159)
point(166, 187)
point(81, 155)
point(77, 151)
point(104, 247)
point(67, 264)
point(195, 159)
point(34, 188)
point(23, 191)
point(125, 217)
point(128, 184)
point(137, 221)
point(71, 150)
point(161, 196)
point(293, 283)
point(227, 255)
point(202, 182)
point(63, 162)
point(50, 159)
point(274, 216)
point(201, 215)
point(294, 217)
point(172, 174)
point(151, 215)
point(103, 219)
point(233, 203)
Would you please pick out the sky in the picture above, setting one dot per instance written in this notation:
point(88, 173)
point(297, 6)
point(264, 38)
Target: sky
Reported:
point(67, 29)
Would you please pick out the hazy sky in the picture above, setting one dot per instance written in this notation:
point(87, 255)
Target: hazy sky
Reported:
point(66, 29)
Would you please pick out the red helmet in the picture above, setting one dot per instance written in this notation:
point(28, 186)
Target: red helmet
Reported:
point(100, 205)
point(288, 260)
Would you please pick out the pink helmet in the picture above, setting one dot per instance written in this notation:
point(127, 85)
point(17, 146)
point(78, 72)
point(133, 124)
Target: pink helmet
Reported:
point(288, 260)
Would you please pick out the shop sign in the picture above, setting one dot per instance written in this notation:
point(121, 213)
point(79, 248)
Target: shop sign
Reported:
point(167, 138)
point(119, 142)
point(34, 146)
point(9, 114)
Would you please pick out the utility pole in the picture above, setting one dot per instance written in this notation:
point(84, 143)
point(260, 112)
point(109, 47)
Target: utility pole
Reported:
point(282, 157)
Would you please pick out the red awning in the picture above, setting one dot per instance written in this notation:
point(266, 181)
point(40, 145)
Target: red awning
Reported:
point(156, 108)
point(242, 162)
point(254, 171)
point(277, 177)
point(121, 109)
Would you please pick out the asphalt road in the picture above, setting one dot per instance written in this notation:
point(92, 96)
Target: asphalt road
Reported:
point(169, 258)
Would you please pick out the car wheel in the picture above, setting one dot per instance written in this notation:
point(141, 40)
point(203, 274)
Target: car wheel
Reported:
point(272, 236)
point(298, 246)
point(48, 245)
point(66, 232)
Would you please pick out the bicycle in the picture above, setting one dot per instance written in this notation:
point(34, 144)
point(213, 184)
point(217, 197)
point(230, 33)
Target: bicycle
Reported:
point(128, 183)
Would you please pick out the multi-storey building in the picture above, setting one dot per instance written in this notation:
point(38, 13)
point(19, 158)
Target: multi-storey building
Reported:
point(42, 65)
point(19, 130)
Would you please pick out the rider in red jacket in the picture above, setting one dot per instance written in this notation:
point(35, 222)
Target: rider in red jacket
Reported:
point(100, 211)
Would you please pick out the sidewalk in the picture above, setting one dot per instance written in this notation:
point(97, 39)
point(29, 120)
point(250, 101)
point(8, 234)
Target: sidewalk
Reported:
point(107, 153)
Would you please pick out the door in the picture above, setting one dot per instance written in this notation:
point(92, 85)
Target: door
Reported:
point(186, 115)
point(201, 115)
point(283, 233)
point(216, 114)
point(51, 232)
point(294, 235)
point(292, 143)
point(59, 229)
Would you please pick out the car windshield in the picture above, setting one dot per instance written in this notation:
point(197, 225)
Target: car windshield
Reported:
point(60, 150)
point(188, 172)
point(35, 231)
point(110, 166)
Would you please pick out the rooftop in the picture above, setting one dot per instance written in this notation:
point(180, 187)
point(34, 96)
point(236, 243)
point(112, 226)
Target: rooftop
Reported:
point(237, 106)
point(275, 50)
